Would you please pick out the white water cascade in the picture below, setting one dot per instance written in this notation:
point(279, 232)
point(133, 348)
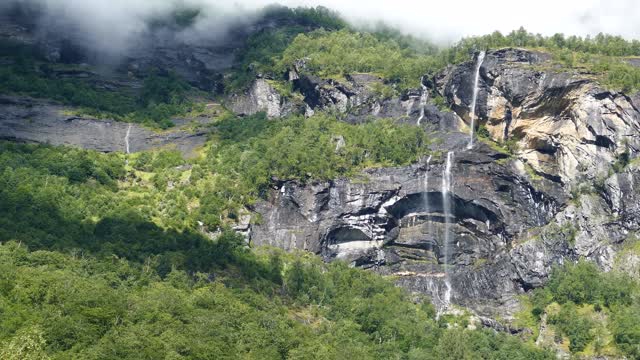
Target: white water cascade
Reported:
point(474, 99)
point(126, 139)
point(423, 99)
point(446, 209)
point(425, 196)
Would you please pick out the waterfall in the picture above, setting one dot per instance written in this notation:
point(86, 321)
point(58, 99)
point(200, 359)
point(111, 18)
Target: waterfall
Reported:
point(126, 139)
point(446, 209)
point(474, 99)
point(425, 183)
point(423, 99)
point(425, 197)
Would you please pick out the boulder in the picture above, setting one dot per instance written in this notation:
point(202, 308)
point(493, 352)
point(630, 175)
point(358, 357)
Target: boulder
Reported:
point(260, 97)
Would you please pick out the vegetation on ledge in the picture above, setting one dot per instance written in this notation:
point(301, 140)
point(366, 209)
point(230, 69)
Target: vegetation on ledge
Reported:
point(598, 313)
point(163, 94)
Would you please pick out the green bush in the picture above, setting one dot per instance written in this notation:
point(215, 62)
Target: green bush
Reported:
point(337, 53)
point(626, 330)
point(573, 285)
point(584, 283)
point(576, 327)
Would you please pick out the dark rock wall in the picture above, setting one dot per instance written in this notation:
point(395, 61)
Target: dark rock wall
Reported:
point(513, 217)
point(29, 120)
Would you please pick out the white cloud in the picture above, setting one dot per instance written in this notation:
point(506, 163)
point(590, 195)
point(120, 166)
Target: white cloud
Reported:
point(448, 20)
point(113, 23)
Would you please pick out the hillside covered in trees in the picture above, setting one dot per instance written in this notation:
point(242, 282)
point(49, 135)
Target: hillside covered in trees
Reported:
point(149, 255)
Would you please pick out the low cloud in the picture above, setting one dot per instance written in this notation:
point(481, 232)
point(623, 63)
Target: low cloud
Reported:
point(114, 25)
point(448, 21)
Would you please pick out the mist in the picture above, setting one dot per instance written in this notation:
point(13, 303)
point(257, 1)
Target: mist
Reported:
point(448, 21)
point(114, 25)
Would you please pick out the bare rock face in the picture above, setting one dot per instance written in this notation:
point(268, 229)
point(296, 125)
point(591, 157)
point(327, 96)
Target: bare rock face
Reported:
point(507, 231)
point(39, 121)
point(354, 94)
point(566, 126)
point(261, 97)
point(393, 220)
point(513, 217)
point(356, 98)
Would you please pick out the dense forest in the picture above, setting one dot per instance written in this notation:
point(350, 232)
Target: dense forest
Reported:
point(266, 305)
point(97, 264)
point(106, 256)
point(88, 272)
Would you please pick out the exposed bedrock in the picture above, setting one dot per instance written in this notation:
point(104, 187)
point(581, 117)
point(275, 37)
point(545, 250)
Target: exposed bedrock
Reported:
point(355, 98)
point(40, 121)
point(263, 97)
point(392, 220)
point(567, 127)
point(512, 218)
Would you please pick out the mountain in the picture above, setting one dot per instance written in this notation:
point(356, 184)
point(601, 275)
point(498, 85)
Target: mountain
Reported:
point(301, 188)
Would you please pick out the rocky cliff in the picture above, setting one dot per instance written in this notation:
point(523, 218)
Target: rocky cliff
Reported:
point(39, 121)
point(554, 178)
point(556, 196)
point(355, 98)
point(566, 126)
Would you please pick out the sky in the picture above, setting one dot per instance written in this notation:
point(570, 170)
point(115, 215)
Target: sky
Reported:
point(112, 23)
point(449, 20)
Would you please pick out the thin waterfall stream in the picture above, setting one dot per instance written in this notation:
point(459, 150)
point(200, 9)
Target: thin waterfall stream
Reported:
point(126, 139)
point(446, 208)
point(425, 197)
point(424, 97)
point(474, 99)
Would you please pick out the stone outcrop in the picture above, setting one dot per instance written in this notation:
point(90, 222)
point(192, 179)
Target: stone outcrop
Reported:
point(513, 216)
point(40, 121)
point(507, 231)
point(262, 97)
point(392, 220)
point(567, 127)
point(360, 102)
point(354, 98)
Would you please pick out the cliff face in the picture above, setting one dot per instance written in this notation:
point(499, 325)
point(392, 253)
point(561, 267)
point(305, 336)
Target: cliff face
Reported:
point(555, 196)
point(355, 98)
point(513, 216)
point(39, 121)
point(565, 125)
